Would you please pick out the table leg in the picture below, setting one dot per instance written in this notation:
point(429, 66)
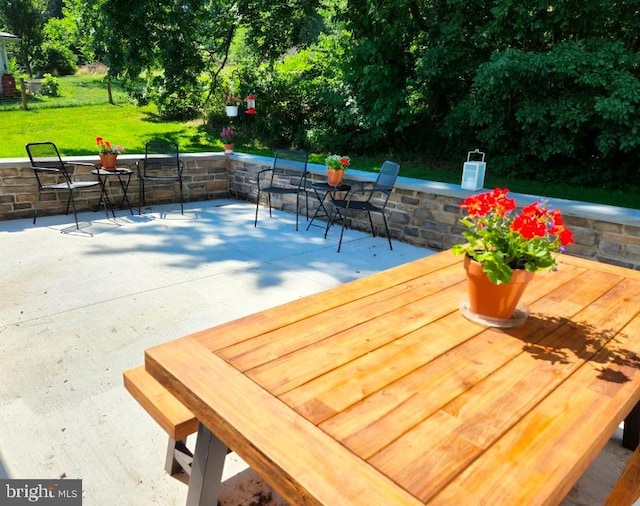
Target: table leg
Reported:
point(206, 471)
point(104, 197)
point(125, 189)
point(631, 432)
point(320, 206)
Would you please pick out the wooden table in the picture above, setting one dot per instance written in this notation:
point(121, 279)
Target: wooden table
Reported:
point(379, 391)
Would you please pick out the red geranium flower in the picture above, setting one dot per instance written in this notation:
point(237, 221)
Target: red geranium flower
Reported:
point(503, 240)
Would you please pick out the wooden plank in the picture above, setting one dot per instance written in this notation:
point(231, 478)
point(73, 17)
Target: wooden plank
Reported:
point(338, 389)
point(300, 461)
point(341, 347)
point(164, 408)
point(593, 265)
point(274, 344)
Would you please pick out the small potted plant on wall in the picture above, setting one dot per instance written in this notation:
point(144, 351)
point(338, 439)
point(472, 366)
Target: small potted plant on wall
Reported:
point(226, 135)
point(108, 153)
point(336, 165)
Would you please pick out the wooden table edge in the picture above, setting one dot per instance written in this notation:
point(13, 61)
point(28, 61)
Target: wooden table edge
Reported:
point(325, 472)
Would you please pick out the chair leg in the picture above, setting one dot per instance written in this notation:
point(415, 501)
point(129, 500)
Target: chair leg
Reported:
point(73, 205)
point(181, 198)
point(35, 214)
point(141, 198)
point(255, 223)
point(68, 201)
point(297, 209)
point(373, 230)
point(386, 228)
point(341, 234)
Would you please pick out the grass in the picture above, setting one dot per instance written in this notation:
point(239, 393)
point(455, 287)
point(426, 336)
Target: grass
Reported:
point(81, 113)
point(74, 129)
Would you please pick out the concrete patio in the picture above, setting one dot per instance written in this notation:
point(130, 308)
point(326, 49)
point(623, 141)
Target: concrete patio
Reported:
point(77, 308)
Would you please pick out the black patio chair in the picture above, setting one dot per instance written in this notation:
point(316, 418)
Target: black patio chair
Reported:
point(374, 200)
point(161, 165)
point(287, 176)
point(54, 175)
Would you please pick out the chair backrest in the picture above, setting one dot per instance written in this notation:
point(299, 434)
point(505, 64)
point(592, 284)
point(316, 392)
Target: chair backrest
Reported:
point(45, 155)
point(291, 163)
point(47, 164)
point(387, 176)
point(385, 181)
point(161, 156)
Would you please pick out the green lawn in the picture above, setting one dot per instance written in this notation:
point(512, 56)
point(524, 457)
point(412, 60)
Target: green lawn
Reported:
point(74, 129)
point(81, 113)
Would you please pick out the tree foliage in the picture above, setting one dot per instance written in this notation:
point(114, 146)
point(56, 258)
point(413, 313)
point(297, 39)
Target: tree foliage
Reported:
point(24, 18)
point(547, 88)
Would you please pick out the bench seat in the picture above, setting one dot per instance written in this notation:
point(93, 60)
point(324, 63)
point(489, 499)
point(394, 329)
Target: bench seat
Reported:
point(626, 491)
point(173, 416)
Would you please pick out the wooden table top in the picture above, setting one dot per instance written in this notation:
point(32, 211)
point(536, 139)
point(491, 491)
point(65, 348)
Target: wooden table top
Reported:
point(380, 392)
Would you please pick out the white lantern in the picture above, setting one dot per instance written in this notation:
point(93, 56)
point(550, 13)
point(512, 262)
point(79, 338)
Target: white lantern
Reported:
point(473, 171)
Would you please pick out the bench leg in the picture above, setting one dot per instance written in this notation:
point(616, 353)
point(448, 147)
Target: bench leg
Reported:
point(179, 458)
point(631, 432)
point(206, 472)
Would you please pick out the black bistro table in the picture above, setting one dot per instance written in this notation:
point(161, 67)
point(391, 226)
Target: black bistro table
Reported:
point(124, 178)
point(322, 191)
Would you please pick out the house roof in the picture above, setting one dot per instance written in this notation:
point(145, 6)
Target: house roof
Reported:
point(5, 35)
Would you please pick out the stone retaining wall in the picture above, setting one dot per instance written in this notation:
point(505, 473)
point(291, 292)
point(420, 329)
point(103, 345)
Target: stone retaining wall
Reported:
point(205, 177)
point(420, 212)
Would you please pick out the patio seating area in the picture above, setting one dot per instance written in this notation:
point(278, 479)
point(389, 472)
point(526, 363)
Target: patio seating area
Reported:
point(80, 307)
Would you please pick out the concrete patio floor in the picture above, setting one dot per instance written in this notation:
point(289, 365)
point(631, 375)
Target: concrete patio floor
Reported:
point(77, 308)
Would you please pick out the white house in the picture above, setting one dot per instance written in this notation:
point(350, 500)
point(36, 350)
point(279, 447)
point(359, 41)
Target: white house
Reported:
point(7, 81)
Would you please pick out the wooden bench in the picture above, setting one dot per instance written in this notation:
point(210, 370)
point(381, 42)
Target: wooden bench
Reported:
point(173, 416)
point(626, 491)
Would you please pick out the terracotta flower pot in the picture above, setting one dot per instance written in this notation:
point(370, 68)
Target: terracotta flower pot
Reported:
point(228, 149)
point(490, 300)
point(334, 176)
point(109, 162)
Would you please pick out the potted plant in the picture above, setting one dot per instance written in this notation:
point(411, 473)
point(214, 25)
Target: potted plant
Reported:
point(505, 248)
point(226, 135)
point(108, 153)
point(231, 105)
point(336, 165)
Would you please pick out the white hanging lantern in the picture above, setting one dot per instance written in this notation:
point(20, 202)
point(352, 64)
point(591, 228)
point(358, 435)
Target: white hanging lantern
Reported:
point(473, 171)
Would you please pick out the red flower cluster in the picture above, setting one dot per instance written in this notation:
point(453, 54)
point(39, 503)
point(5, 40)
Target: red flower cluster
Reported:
point(503, 240)
point(344, 161)
point(494, 201)
point(105, 147)
point(536, 221)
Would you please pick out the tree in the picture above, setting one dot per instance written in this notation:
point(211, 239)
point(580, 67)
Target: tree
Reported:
point(57, 55)
point(173, 43)
point(25, 18)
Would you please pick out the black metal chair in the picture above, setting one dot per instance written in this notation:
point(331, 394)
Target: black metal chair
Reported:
point(370, 204)
point(287, 176)
point(161, 165)
point(55, 175)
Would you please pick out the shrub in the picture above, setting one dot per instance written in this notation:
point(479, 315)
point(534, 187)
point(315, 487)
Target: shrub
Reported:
point(50, 85)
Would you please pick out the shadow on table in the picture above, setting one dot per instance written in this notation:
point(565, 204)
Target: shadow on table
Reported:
point(577, 340)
